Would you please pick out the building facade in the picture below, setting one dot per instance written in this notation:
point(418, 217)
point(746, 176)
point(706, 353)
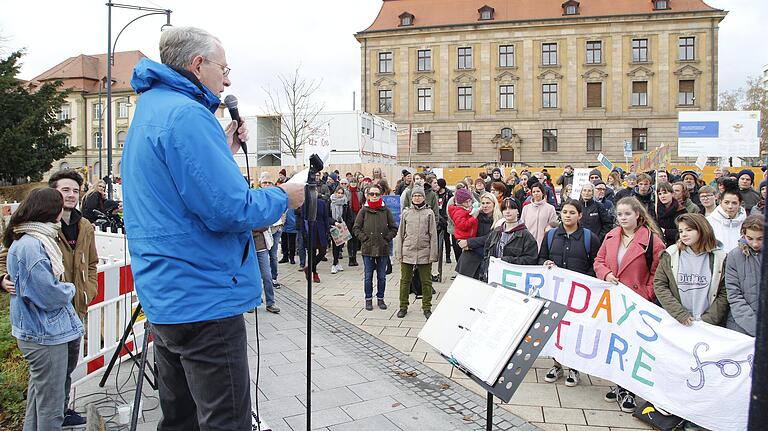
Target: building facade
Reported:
point(537, 81)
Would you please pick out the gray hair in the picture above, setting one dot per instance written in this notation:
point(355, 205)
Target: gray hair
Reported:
point(179, 45)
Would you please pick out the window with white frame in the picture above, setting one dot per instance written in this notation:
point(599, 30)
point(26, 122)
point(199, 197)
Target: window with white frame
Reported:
point(506, 96)
point(548, 54)
point(385, 62)
point(64, 112)
point(424, 99)
point(506, 55)
point(465, 98)
point(549, 95)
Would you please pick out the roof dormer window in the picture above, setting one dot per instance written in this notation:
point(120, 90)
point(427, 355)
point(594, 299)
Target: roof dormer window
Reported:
point(406, 19)
point(571, 7)
point(486, 13)
point(661, 4)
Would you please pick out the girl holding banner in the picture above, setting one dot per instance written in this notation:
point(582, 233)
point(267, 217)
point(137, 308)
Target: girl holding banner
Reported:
point(629, 255)
point(573, 247)
point(690, 282)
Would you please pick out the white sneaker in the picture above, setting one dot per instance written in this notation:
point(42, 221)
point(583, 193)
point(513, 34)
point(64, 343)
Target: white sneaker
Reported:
point(572, 379)
point(334, 269)
point(339, 267)
point(553, 374)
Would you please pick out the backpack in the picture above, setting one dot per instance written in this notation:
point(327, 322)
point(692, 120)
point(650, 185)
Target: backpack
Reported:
point(587, 240)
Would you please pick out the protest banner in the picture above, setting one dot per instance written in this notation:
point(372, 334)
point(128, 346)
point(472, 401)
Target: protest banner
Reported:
point(580, 177)
point(701, 372)
point(655, 159)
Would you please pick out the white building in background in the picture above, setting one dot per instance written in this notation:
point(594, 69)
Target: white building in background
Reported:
point(263, 140)
point(765, 76)
point(354, 137)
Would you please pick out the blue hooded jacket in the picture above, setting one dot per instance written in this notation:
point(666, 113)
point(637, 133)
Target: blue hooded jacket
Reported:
point(188, 211)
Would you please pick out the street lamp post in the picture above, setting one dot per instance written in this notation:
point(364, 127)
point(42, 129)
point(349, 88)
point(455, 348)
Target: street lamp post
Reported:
point(110, 61)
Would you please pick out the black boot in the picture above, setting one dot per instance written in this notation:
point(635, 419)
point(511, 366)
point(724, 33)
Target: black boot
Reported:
point(382, 305)
point(369, 304)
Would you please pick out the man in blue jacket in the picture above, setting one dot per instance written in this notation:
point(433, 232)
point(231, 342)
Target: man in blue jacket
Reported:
point(189, 216)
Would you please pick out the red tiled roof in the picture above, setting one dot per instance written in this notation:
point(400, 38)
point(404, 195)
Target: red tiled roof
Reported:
point(434, 13)
point(82, 73)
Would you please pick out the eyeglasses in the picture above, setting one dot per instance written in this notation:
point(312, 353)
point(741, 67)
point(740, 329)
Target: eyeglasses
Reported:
point(224, 68)
point(374, 194)
point(706, 196)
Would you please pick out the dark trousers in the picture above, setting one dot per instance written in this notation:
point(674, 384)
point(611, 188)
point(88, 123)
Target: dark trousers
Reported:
point(456, 248)
point(203, 375)
point(336, 252)
point(353, 245)
point(288, 245)
point(446, 238)
point(318, 252)
point(72, 358)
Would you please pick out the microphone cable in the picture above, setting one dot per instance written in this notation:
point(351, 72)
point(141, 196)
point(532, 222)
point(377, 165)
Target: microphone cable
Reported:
point(255, 311)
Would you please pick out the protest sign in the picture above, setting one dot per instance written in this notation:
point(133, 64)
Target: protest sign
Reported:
point(655, 159)
point(580, 177)
point(701, 372)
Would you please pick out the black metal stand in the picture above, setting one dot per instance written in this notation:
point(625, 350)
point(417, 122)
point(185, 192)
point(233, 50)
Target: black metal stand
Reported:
point(140, 383)
point(310, 215)
point(522, 359)
point(122, 345)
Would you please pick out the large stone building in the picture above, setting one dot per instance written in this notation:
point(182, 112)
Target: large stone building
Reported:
point(537, 81)
point(85, 77)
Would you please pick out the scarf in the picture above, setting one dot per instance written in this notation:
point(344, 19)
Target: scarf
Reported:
point(337, 206)
point(375, 205)
point(354, 199)
point(46, 233)
point(421, 205)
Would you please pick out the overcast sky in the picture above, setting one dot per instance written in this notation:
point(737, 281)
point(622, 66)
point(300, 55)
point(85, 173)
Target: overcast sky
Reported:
point(265, 38)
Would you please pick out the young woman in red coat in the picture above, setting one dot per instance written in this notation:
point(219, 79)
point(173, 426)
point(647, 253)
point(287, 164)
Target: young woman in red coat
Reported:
point(622, 259)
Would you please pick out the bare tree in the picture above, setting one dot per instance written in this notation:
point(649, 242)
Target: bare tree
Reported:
point(752, 97)
point(294, 109)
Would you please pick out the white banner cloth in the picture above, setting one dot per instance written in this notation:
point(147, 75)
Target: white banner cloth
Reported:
point(702, 372)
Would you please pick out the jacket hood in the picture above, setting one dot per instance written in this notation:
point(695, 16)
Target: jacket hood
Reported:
point(720, 217)
point(150, 74)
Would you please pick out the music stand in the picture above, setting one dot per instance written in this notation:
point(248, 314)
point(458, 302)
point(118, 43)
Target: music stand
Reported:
point(520, 363)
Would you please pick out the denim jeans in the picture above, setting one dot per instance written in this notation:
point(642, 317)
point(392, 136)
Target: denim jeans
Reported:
point(72, 357)
point(266, 276)
point(203, 377)
point(45, 390)
point(273, 253)
point(301, 250)
point(379, 264)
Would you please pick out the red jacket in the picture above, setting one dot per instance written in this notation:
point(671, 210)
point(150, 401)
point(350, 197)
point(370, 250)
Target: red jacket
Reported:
point(465, 224)
point(633, 272)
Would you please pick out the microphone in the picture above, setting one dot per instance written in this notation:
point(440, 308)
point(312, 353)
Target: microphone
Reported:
point(231, 103)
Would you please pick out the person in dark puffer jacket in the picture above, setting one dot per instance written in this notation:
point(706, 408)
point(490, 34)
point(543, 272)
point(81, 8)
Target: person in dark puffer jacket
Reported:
point(594, 217)
point(510, 240)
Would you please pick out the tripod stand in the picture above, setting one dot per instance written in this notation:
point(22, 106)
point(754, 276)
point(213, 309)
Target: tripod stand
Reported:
point(140, 361)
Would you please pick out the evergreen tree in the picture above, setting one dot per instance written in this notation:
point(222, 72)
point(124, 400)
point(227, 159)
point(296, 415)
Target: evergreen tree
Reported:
point(30, 130)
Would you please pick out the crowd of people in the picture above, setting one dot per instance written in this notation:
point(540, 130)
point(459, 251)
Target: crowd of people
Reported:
point(691, 248)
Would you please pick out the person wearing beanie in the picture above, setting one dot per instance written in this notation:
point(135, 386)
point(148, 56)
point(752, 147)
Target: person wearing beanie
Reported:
point(495, 177)
point(759, 208)
point(691, 181)
point(416, 247)
point(631, 180)
point(479, 189)
point(265, 178)
point(750, 197)
point(595, 175)
point(465, 223)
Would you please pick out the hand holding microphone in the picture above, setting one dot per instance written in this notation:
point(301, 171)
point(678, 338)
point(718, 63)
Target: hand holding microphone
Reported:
point(236, 131)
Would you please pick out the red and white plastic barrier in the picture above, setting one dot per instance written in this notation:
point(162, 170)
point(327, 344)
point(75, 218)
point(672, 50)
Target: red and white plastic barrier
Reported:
point(110, 311)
